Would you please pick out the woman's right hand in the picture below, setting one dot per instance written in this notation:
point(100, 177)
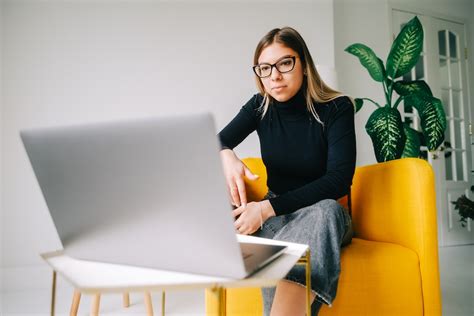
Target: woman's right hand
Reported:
point(234, 172)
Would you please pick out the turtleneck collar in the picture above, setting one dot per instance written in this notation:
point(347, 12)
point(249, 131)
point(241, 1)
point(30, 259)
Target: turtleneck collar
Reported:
point(295, 105)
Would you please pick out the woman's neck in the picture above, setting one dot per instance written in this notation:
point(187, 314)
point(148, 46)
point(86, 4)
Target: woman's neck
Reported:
point(296, 104)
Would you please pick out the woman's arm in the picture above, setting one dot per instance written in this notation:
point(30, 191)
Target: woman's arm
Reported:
point(233, 134)
point(244, 123)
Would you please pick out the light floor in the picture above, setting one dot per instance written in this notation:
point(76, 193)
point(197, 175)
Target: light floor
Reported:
point(178, 303)
point(457, 280)
point(457, 283)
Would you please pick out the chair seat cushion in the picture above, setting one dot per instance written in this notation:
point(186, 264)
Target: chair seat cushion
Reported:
point(378, 278)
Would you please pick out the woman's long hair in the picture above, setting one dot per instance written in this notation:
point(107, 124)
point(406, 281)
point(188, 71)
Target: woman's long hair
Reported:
point(315, 88)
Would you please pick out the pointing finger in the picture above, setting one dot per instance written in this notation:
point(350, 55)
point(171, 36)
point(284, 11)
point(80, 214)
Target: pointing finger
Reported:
point(241, 187)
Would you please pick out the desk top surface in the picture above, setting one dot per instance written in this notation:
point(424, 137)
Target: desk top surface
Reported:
point(92, 277)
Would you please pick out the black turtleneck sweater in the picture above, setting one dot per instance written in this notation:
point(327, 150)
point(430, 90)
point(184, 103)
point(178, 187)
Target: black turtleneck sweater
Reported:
point(306, 161)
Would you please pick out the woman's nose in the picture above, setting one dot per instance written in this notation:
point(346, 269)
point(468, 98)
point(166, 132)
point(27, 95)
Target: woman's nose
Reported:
point(276, 75)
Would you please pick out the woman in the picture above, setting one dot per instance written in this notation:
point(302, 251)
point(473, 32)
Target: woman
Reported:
point(307, 140)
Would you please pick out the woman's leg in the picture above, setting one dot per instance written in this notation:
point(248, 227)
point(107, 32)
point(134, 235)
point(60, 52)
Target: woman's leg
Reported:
point(322, 227)
point(290, 299)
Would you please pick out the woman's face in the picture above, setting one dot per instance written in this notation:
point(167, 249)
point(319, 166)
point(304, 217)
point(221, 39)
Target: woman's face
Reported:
point(281, 86)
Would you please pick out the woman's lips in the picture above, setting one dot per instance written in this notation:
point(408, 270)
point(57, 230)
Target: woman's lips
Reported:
point(279, 88)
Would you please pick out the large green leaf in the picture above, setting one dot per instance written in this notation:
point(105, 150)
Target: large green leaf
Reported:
point(406, 49)
point(385, 128)
point(405, 88)
point(358, 104)
point(369, 60)
point(413, 142)
point(433, 118)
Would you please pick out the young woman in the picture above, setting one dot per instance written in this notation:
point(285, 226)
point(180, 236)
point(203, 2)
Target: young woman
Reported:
point(307, 140)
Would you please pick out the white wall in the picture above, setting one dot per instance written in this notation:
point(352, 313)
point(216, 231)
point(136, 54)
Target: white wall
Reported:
point(76, 61)
point(451, 8)
point(471, 56)
point(1, 151)
point(369, 22)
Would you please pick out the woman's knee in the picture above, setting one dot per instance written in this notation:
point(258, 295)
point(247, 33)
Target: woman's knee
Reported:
point(324, 209)
point(329, 205)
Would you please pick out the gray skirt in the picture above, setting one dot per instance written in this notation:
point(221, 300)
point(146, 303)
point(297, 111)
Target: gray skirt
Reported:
point(326, 227)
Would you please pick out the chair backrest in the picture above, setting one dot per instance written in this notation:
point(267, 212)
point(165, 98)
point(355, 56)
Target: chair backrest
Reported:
point(395, 202)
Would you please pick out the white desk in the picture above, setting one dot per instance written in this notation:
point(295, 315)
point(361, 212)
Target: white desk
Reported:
point(90, 277)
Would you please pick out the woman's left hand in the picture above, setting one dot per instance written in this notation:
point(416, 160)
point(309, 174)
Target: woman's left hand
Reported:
point(252, 216)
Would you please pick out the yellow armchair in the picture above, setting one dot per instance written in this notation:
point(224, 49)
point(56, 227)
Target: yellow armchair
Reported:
point(391, 266)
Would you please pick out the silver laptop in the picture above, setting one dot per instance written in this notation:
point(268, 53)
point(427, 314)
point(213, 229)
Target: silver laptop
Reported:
point(144, 192)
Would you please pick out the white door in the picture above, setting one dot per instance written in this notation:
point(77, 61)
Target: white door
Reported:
point(443, 65)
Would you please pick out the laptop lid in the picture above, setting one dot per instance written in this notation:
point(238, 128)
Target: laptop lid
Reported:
point(147, 192)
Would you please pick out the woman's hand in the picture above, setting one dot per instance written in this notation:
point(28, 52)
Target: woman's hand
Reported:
point(234, 172)
point(252, 216)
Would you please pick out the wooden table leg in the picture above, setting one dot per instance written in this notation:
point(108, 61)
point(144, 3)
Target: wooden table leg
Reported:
point(163, 300)
point(148, 304)
point(95, 305)
point(219, 297)
point(126, 299)
point(53, 294)
point(222, 302)
point(76, 299)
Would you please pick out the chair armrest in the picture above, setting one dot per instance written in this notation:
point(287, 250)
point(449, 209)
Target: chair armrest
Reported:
point(256, 189)
point(395, 202)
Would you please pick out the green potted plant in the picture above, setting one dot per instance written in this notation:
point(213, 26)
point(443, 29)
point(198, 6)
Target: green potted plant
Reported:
point(465, 207)
point(391, 138)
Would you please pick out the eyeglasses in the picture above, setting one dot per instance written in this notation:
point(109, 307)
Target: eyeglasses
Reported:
point(283, 65)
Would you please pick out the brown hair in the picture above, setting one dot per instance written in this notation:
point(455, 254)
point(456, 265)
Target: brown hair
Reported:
point(315, 88)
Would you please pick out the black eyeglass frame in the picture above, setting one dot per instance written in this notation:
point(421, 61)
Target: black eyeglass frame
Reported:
point(275, 65)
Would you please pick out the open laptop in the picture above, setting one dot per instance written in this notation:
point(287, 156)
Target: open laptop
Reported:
point(145, 192)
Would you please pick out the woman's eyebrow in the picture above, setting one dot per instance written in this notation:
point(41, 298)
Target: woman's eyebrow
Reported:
point(285, 56)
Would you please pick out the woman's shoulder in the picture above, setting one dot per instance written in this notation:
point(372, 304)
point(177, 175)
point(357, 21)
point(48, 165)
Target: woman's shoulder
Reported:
point(340, 102)
point(254, 104)
point(256, 100)
point(337, 105)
